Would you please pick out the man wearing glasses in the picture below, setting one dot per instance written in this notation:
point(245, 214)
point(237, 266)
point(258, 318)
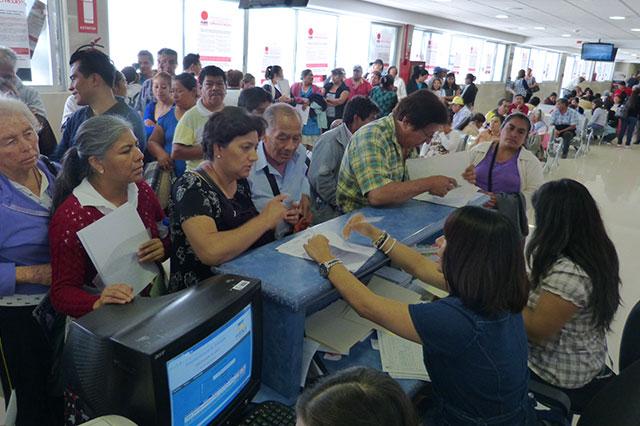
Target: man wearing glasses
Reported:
point(373, 170)
point(187, 139)
point(167, 62)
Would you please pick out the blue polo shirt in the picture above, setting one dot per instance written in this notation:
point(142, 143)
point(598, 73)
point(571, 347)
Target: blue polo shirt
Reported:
point(120, 109)
point(294, 182)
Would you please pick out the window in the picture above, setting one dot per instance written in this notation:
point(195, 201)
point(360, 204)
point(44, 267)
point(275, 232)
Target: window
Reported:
point(353, 42)
point(215, 30)
point(520, 61)
point(271, 41)
point(128, 33)
point(604, 71)
point(543, 63)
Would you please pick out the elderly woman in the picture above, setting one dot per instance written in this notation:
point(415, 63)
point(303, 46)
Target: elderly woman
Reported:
point(160, 143)
point(506, 171)
point(384, 96)
point(213, 218)
point(302, 93)
point(398, 82)
point(26, 185)
point(336, 94)
point(101, 173)
point(162, 103)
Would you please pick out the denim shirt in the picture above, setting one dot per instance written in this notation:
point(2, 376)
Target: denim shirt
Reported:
point(477, 364)
point(24, 240)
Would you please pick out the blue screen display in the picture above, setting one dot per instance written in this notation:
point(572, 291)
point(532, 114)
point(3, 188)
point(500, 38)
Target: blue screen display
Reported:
point(204, 379)
point(597, 52)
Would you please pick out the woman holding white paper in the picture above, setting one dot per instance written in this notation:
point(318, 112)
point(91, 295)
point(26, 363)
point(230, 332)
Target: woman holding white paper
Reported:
point(102, 172)
point(474, 339)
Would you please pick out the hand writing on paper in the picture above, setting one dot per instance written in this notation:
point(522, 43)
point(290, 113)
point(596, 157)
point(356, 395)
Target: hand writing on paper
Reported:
point(151, 251)
point(114, 294)
point(318, 249)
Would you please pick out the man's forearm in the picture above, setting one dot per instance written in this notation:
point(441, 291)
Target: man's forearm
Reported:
point(398, 192)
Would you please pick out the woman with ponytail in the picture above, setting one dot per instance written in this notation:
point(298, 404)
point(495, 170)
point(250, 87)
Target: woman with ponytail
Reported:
point(276, 84)
point(102, 172)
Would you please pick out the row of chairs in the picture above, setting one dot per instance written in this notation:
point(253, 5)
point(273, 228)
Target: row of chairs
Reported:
point(581, 142)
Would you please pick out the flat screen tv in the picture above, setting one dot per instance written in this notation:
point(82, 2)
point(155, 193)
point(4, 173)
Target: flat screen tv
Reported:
point(253, 4)
point(602, 52)
point(189, 358)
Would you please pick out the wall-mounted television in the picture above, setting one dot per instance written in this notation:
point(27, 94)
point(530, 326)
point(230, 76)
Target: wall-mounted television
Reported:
point(252, 4)
point(602, 52)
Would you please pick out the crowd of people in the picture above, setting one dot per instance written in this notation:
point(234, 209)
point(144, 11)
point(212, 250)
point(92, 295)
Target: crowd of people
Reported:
point(213, 176)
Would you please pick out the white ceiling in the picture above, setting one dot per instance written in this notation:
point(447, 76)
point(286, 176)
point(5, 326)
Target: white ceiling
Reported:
point(582, 20)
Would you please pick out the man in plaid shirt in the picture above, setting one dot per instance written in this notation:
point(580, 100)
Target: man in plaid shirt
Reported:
point(373, 170)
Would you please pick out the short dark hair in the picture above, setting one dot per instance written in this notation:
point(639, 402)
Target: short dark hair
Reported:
point(212, 71)
point(356, 396)
point(360, 106)
point(535, 101)
point(501, 101)
point(553, 94)
point(478, 117)
point(518, 95)
point(190, 59)
point(253, 97)
point(234, 77)
point(305, 73)
point(187, 80)
point(568, 223)
point(226, 125)
point(563, 101)
point(421, 108)
point(377, 62)
point(167, 52)
point(598, 102)
point(483, 262)
point(130, 74)
point(418, 71)
point(92, 61)
point(147, 54)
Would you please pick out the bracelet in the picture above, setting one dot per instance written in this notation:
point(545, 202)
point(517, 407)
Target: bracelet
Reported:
point(393, 244)
point(379, 242)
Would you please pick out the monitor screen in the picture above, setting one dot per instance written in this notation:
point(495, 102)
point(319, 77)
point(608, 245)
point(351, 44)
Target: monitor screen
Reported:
point(598, 52)
point(205, 378)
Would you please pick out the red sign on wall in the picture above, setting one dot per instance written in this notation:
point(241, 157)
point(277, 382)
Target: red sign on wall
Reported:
point(88, 16)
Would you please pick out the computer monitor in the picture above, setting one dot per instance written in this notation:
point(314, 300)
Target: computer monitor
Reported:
point(188, 358)
point(604, 52)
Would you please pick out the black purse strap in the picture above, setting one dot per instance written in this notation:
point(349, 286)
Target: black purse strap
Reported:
point(272, 181)
point(493, 162)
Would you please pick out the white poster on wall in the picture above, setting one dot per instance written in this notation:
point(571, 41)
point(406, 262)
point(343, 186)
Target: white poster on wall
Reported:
point(382, 42)
point(14, 32)
point(215, 32)
point(316, 43)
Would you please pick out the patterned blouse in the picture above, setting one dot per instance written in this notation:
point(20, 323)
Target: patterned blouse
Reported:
point(195, 194)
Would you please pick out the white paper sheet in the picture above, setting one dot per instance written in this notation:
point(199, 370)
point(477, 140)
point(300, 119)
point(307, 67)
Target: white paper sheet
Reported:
point(309, 348)
point(329, 327)
point(304, 113)
point(352, 255)
point(401, 358)
point(112, 245)
point(451, 165)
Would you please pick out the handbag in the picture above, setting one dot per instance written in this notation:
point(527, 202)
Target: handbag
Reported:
point(160, 181)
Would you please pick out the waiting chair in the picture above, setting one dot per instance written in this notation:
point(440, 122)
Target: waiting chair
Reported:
point(554, 151)
point(618, 403)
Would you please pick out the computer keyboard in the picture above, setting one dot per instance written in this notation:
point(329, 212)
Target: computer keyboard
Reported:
point(270, 413)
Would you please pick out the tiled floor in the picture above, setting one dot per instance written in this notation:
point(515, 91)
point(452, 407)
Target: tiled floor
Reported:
point(612, 175)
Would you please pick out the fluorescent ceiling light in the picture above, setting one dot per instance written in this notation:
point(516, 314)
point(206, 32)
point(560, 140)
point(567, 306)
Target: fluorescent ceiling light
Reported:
point(566, 35)
point(635, 29)
point(502, 16)
point(539, 28)
point(617, 18)
point(442, 1)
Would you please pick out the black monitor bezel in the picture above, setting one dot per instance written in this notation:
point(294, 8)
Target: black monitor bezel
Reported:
point(159, 360)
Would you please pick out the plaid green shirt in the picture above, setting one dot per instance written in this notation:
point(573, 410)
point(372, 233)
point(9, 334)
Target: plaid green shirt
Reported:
point(373, 159)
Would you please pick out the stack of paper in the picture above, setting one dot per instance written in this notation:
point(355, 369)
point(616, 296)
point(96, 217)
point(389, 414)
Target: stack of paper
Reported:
point(401, 358)
point(352, 255)
point(451, 165)
point(115, 254)
point(338, 327)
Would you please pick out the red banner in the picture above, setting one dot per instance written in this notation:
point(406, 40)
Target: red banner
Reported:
point(88, 16)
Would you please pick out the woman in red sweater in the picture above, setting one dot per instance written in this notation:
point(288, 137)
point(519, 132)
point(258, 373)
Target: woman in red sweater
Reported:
point(100, 173)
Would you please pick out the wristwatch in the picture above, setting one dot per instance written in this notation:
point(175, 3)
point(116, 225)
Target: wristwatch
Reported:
point(326, 266)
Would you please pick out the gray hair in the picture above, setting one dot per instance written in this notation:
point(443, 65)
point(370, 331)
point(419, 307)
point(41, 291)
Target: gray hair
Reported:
point(275, 111)
point(93, 139)
point(8, 57)
point(11, 106)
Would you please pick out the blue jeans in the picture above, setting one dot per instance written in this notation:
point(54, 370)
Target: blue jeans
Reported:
point(627, 126)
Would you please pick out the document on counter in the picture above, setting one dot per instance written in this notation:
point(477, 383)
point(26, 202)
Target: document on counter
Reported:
point(112, 245)
point(352, 255)
point(332, 330)
point(451, 165)
point(309, 348)
point(401, 358)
